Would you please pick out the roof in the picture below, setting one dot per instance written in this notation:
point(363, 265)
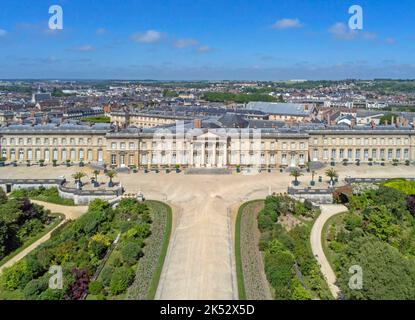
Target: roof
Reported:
point(233, 121)
point(290, 109)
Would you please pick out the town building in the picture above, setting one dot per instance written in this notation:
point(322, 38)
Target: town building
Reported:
point(205, 143)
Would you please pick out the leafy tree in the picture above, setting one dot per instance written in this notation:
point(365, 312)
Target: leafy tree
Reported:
point(332, 174)
point(352, 221)
point(121, 279)
point(52, 294)
point(130, 252)
point(111, 175)
point(34, 288)
point(106, 275)
point(95, 287)
point(80, 286)
point(3, 196)
point(387, 275)
point(16, 276)
point(381, 223)
point(299, 292)
point(99, 244)
point(411, 205)
point(279, 269)
point(296, 174)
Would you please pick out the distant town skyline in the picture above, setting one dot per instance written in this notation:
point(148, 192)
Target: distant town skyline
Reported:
point(205, 40)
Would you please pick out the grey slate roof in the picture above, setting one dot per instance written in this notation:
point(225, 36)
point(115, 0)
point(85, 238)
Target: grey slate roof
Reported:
point(289, 109)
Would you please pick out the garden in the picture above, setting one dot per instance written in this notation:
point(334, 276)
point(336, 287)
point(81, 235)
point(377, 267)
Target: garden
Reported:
point(42, 194)
point(21, 224)
point(378, 235)
point(99, 253)
point(286, 258)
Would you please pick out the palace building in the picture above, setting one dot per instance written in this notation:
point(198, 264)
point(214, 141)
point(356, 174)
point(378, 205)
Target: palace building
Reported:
point(205, 143)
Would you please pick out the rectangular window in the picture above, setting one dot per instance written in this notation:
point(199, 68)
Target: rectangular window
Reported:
point(113, 159)
point(406, 154)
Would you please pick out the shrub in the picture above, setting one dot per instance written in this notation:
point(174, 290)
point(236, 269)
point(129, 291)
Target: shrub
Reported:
point(121, 279)
point(352, 221)
point(34, 288)
point(279, 270)
point(106, 275)
point(130, 252)
point(95, 287)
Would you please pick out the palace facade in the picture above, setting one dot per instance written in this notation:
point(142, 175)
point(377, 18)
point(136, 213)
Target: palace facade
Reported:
point(192, 144)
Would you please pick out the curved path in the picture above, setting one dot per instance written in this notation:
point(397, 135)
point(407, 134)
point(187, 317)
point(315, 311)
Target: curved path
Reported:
point(327, 211)
point(70, 212)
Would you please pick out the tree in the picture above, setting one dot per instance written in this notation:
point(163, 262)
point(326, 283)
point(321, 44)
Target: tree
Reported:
point(296, 174)
point(130, 252)
point(387, 274)
point(3, 196)
point(121, 279)
point(78, 177)
point(4, 236)
point(106, 275)
point(332, 174)
point(411, 205)
point(96, 174)
point(111, 174)
point(279, 269)
point(80, 286)
point(99, 244)
point(34, 288)
point(95, 287)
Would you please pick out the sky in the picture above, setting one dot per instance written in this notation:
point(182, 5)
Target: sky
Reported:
point(207, 40)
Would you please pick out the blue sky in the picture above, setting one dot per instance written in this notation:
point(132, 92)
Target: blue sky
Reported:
point(207, 40)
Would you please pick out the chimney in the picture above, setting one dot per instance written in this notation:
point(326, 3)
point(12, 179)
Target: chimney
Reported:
point(197, 123)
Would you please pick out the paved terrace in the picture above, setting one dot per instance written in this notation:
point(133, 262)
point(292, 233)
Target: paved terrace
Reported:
point(200, 261)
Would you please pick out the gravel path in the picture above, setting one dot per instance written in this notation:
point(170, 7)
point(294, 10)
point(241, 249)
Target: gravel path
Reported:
point(327, 211)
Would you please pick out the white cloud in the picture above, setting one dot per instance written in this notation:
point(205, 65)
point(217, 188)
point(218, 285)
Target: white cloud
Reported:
point(342, 32)
point(184, 43)
point(2, 32)
point(204, 49)
point(287, 24)
point(390, 40)
point(150, 36)
point(84, 48)
point(101, 31)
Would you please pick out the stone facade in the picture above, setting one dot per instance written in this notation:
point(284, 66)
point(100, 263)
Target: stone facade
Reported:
point(201, 147)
